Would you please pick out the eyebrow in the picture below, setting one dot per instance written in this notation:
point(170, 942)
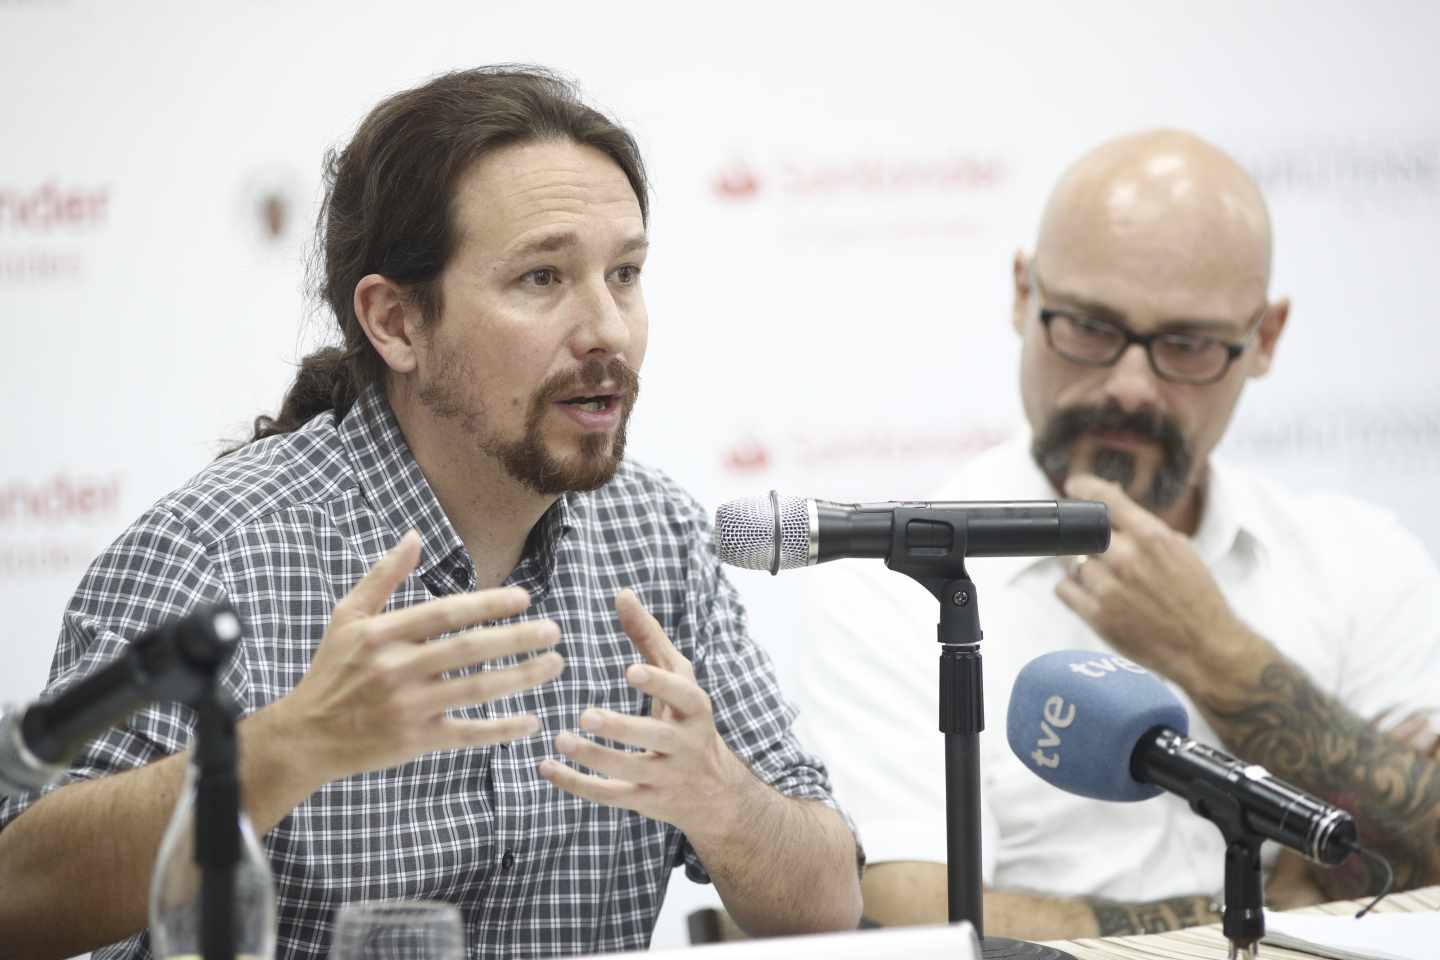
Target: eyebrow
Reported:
point(555, 242)
point(1103, 312)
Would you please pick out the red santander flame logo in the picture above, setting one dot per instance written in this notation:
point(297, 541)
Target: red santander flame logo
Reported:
point(747, 456)
point(737, 182)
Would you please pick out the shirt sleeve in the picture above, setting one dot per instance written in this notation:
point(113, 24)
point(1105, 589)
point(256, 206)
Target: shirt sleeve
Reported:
point(1389, 588)
point(751, 714)
point(154, 573)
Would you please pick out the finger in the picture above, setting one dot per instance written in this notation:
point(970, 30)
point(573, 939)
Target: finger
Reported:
point(381, 580)
point(681, 694)
point(447, 614)
point(479, 646)
point(646, 633)
point(488, 685)
point(1078, 599)
point(637, 768)
point(1125, 514)
point(647, 733)
point(1096, 577)
point(611, 793)
point(456, 734)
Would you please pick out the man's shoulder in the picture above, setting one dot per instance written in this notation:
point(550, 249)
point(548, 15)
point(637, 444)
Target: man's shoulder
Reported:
point(261, 479)
point(1327, 523)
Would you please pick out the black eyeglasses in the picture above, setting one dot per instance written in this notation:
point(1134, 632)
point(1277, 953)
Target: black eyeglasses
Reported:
point(1191, 358)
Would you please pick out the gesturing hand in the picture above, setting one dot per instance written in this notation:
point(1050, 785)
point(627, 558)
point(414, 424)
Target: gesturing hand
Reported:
point(376, 693)
point(685, 774)
point(1150, 595)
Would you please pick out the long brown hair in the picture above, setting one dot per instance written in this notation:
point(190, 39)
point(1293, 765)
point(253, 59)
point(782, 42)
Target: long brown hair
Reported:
point(389, 206)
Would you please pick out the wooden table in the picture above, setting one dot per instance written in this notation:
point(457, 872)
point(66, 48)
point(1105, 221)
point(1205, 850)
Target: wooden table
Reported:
point(1207, 943)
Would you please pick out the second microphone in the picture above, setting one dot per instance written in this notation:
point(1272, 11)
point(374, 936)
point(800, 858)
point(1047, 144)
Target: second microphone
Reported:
point(781, 533)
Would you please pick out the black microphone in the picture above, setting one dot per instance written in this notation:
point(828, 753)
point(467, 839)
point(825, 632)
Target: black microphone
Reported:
point(781, 533)
point(174, 661)
point(1104, 727)
point(1216, 784)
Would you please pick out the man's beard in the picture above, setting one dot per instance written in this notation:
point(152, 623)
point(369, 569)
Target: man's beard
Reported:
point(1054, 445)
point(528, 460)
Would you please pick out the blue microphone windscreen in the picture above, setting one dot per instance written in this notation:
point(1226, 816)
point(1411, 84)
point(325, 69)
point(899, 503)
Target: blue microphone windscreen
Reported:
point(1076, 716)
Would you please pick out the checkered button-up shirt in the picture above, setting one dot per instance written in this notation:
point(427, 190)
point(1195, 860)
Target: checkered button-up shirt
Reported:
point(285, 528)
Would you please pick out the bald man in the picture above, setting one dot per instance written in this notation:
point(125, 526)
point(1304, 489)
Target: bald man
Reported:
point(1294, 627)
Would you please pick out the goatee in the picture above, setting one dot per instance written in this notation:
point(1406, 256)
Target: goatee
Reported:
point(1054, 446)
point(528, 460)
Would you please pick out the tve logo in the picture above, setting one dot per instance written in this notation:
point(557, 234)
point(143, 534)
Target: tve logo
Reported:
point(1055, 718)
point(1100, 667)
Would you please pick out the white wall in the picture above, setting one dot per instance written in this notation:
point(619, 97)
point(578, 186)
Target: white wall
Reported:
point(838, 192)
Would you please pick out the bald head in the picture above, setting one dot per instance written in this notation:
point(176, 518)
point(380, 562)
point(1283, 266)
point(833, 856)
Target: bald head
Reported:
point(1157, 233)
point(1161, 208)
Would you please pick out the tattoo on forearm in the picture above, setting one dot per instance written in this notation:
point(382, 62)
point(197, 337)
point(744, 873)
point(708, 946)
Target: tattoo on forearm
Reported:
point(1127, 919)
point(1305, 736)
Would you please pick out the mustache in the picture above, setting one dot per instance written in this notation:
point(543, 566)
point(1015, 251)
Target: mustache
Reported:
point(590, 374)
point(1068, 425)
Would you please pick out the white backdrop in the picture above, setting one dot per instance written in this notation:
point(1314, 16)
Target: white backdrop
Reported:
point(838, 192)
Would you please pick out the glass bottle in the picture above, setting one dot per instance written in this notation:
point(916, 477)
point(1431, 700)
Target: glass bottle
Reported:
point(176, 931)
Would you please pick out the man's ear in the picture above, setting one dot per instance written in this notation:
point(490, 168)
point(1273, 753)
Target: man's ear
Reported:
point(1020, 271)
point(1272, 324)
point(389, 318)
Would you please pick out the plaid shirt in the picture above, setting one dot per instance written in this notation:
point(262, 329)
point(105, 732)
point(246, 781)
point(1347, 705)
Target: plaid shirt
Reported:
point(286, 527)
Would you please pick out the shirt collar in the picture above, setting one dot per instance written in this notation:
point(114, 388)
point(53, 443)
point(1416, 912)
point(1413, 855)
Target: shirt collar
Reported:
point(393, 483)
point(1229, 518)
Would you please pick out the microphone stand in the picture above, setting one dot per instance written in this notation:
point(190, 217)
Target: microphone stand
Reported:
point(939, 566)
point(217, 819)
point(1243, 919)
point(178, 662)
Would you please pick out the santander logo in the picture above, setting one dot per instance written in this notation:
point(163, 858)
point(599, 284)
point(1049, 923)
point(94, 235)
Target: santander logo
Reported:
point(51, 206)
point(863, 175)
point(59, 499)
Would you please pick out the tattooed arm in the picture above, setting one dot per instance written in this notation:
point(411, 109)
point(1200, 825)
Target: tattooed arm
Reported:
point(1278, 718)
point(901, 893)
point(1124, 919)
point(1153, 599)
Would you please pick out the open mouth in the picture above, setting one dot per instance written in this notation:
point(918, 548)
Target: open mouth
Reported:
point(594, 404)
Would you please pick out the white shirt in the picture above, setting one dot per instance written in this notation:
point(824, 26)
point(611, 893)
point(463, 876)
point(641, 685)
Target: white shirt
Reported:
point(1335, 584)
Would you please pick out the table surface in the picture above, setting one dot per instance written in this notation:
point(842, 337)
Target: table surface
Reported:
point(1207, 943)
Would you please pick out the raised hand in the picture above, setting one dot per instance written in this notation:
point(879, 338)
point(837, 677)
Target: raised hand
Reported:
point(1150, 595)
point(376, 693)
point(683, 774)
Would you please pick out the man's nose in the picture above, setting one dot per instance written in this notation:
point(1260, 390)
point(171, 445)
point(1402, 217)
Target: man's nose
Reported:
point(1132, 383)
point(601, 326)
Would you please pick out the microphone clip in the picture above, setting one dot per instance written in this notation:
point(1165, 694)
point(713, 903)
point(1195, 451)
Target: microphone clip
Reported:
point(1243, 916)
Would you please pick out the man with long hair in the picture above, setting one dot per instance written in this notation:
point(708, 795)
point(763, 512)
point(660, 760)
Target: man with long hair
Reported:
point(486, 659)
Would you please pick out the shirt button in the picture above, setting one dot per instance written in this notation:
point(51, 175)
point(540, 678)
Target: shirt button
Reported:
point(507, 861)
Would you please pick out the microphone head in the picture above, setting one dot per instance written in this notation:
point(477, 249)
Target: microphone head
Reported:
point(1076, 717)
point(766, 533)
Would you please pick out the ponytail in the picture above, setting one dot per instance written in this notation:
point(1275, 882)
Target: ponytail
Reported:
point(326, 381)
